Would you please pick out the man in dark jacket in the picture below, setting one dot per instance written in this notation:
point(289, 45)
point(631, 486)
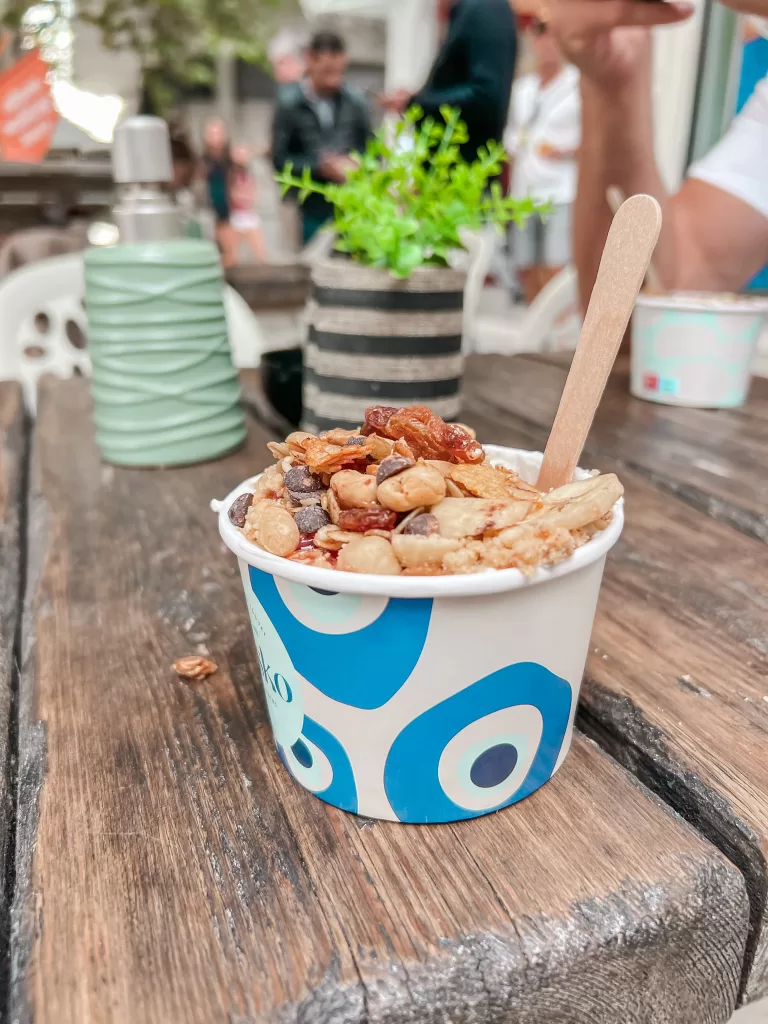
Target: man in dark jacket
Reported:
point(318, 123)
point(473, 71)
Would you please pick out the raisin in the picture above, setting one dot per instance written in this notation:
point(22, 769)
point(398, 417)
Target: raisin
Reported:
point(390, 466)
point(423, 526)
point(239, 508)
point(310, 520)
point(430, 437)
point(376, 419)
point(461, 445)
point(358, 520)
point(302, 481)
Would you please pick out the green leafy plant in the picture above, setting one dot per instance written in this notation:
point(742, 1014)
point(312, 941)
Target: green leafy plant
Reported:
point(412, 194)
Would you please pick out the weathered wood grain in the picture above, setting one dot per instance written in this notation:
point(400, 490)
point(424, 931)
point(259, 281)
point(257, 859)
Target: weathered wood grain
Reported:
point(13, 443)
point(714, 460)
point(676, 685)
point(173, 872)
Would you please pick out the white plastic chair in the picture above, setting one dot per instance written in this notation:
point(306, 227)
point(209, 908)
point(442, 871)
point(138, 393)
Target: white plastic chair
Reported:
point(550, 323)
point(45, 328)
point(480, 246)
point(557, 298)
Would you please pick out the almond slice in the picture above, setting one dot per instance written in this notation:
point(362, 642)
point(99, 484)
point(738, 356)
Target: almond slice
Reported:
point(580, 503)
point(472, 517)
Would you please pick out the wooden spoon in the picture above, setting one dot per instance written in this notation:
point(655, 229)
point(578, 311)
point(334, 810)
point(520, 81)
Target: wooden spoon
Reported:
point(615, 198)
point(627, 253)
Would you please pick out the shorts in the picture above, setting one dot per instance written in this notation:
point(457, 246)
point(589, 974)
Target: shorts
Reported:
point(544, 243)
point(245, 220)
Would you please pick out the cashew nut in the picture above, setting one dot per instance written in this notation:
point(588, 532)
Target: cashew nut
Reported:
point(419, 485)
point(353, 489)
point(369, 554)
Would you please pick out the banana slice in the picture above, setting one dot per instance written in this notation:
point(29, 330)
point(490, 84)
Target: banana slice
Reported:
point(471, 517)
point(580, 503)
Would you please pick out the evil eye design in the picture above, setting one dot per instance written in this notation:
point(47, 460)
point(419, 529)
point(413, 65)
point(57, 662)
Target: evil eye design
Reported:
point(488, 746)
point(319, 762)
point(487, 762)
point(308, 765)
point(326, 612)
point(344, 658)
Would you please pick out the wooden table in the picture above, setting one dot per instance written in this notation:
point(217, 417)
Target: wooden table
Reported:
point(27, 189)
point(160, 865)
point(676, 687)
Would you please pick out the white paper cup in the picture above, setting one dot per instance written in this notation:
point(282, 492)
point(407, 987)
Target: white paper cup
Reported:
point(695, 348)
point(422, 699)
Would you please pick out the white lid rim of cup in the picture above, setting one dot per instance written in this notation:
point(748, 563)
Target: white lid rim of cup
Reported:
point(491, 581)
point(709, 302)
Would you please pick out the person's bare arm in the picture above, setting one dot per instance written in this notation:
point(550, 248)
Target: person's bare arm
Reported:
point(710, 240)
point(721, 242)
point(616, 149)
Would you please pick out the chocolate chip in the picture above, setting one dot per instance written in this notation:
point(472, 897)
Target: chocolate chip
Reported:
point(310, 520)
point(356, 440)
point(299, 478)
point(390, 466)
point(310, 498)
point(423, 526)
point(239, 509)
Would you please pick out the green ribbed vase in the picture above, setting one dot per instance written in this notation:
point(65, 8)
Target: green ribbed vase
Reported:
point(164, 389)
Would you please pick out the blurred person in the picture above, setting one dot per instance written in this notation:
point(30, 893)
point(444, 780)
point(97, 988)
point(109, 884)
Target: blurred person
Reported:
point(217, 161)
point(542, 141)
point(715, 230)
point(184, 170)
point(318, 122)
point(473, 71)
point(285, 56)
point(185, 184)
point(184, 162)
point(242, 201)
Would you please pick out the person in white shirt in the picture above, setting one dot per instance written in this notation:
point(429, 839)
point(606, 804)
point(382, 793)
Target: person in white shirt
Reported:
point(715, 230)
point(542, 141)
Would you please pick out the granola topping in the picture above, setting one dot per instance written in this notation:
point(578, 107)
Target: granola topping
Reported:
point(410, 494)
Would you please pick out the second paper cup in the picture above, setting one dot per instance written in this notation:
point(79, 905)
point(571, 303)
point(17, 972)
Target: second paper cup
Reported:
point(695, 349)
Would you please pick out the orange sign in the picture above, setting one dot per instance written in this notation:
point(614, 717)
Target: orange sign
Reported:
point(28, 117)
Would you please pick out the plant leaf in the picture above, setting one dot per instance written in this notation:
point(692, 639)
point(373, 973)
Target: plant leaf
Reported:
point(413, 191)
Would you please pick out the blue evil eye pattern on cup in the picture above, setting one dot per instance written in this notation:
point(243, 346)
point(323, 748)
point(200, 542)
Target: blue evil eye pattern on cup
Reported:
point(319, 762)
point(484, 748)
point(494, 765)
point(364, 665)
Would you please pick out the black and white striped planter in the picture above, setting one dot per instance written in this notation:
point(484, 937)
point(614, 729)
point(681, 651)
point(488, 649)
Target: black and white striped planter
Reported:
point(377, 341)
